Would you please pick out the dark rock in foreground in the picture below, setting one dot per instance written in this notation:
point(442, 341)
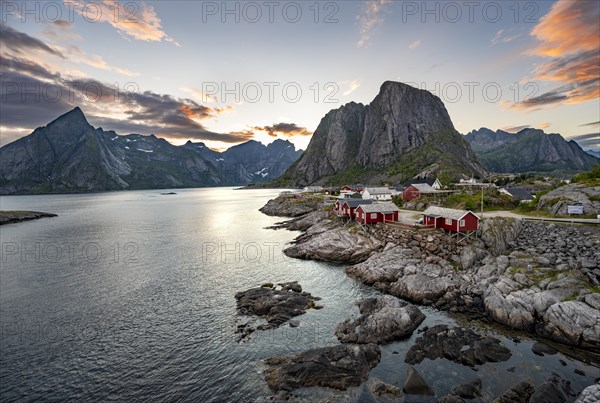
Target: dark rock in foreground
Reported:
point(10, 217)
point(542, 349)
point(337, 367)
point(517, 394)
point(379, 389)
point(416, 385)
point(554, 390)
point(382, 319)
point(468, 390)
point(277, 306)
point(457, 344)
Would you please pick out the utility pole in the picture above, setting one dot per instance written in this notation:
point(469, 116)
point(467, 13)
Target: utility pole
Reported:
point(482, 201)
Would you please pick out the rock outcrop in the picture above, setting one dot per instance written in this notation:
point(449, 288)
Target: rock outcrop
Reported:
point(457, 344)
point(276, 304)
point(382, 319)
point(538, 277)
point(499, 233)
point(11, 217)
point(556, 201)
point(288, 206)
point(337, 367)
point(416, 385)
point(591, 394)
point(520, 393)
point(331, 242)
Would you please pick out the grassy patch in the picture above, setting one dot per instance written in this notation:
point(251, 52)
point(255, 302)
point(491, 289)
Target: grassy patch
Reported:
point(590, 178)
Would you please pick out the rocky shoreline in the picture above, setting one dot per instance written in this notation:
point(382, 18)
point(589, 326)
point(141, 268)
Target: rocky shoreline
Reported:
point(11, 217)
point(538, 278)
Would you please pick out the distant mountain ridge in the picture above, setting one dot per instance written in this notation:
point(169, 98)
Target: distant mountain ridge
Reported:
point(404, 132)
point(529, 150)
point(70, 155)
point(594, 153)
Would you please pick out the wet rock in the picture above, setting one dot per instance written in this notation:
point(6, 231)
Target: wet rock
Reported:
point(542, 349)
point(276, 305)
point(337, 367)
point(379, 388)
point(416, 385)
point(521, 393)
point(591, 394)
point(468, 390)
point(450, 399)
point(294, 323)
point(457, 344)
point(554, 390)
point(382, 319)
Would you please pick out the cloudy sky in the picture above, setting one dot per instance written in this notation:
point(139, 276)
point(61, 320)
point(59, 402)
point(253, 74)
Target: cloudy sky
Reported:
point(226, 72)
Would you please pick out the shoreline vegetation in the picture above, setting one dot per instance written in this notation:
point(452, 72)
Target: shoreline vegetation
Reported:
point(537, 278)
point(16, 216)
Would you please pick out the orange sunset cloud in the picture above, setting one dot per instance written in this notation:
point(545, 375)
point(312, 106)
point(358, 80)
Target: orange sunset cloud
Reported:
point(569, 36)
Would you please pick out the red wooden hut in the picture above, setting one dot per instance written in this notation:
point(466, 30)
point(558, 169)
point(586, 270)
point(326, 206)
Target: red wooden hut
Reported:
point(346, 208)
point(380, 212)
point(451, 219)
point(417, 190)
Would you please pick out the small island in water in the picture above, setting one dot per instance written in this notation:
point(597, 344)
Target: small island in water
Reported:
point(15, 216)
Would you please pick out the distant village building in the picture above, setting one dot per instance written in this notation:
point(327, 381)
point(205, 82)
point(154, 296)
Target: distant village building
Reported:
point(470, 181)
point(346, 208)
point(377, 193)
point(345, 190)
point(377, 212)
point(313, 189)
point(451, 219)
point(358, 188)
point(354, 195)
point(517, 193)
point(434, 183)
point(417, 190)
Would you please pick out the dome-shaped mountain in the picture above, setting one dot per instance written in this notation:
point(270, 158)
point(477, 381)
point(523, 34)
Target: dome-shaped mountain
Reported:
point(403, 133)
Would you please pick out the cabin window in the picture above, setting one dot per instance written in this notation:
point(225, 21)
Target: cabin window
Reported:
point(373, 216)
point(461, 223)
point(448, 221)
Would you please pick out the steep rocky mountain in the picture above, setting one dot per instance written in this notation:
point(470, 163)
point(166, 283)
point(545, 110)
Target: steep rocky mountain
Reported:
point(404, 132)
point(70, 155)
point(530, 150)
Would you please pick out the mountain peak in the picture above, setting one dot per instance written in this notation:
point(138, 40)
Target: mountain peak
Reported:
point(74, 116)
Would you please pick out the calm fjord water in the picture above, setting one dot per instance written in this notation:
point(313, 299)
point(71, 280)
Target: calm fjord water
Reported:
point(130, 296)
